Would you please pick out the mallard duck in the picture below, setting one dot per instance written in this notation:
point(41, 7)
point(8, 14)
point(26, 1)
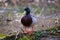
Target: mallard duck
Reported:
point(27, 20)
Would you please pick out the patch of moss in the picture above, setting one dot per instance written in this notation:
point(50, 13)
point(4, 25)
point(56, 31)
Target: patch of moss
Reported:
point(32, 36)
point(2, 36)
point(52, 30)
point(9, 14)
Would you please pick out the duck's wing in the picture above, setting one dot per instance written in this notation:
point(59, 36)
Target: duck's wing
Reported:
point(34, 20)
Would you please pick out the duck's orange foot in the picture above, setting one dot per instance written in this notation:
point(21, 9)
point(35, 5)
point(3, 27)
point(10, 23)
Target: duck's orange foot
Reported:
point(30, 32)
point(25, 32)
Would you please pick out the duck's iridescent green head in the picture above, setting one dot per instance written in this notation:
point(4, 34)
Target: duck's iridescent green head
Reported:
point(27, 10)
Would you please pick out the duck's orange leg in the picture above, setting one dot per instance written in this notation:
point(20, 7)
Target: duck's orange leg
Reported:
point(31, 31)
point(25, 31)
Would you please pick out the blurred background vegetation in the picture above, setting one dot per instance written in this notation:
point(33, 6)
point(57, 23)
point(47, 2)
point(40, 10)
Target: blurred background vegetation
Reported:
point(47, 13)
